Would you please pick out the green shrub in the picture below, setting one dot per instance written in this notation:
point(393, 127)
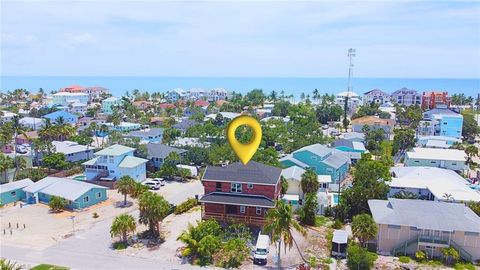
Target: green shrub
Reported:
point(360, 258)
point(464, 266)
point(185, 206)
point(119, 245)
point(337, 224)
point(404, 259)
point(95, 215)
point(57, 204)
point(320, 221)
point(313, 261)
point(420, 256)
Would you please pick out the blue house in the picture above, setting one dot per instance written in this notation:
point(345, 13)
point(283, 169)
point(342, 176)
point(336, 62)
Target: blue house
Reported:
point(324, 160)
point(78, 194)
point(12, 192)
point(441, 122)
point(353, 149)
point(67, 117)
point(114, 162)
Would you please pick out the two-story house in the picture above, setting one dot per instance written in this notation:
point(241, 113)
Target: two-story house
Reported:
point(240, 193)
point(113, 162)
point(406, 226)
point(376, 96)
point(324, 160)
point(406, 97)
point(109, 103)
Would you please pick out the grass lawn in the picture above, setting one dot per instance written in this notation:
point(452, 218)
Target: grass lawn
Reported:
point(49, 267)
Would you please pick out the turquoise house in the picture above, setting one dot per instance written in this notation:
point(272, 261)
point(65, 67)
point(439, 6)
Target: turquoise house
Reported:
point(78, 194)
point(324, 160)
point(109, 103)
point(13, 191)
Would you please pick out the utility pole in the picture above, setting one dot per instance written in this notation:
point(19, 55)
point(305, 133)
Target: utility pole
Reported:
point(351, 54)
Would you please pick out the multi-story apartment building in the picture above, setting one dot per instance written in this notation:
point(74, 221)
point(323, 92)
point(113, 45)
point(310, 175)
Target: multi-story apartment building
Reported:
point(93, 92)
point(432, 100)
point(406, 97)
point(240, 193)
point(67, 98)
point(376, 96)
point(441, 122)
point(109, 103)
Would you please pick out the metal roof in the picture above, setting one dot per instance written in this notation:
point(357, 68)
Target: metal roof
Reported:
point(317, 149)
point(237, 199)
point(438, 181)
point(253, 172)
point(68, 147)
point(336, 160)
point(131, 162)
point(15, 185)
point(340, 237)
point(62, 187)
point(114, 150)
point(437, 154)
point(430, 215)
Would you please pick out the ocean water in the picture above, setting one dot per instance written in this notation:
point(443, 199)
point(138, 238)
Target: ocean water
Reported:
point(119, 85)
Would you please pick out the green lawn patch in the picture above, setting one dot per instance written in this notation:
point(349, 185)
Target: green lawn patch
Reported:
point(321, 221)
point(49, 267)
point(464, 266)
point(404, 259)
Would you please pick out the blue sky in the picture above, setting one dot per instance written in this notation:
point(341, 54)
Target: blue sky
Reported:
point(240, 38)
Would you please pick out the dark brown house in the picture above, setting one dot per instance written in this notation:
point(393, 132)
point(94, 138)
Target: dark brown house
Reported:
point(240, 193)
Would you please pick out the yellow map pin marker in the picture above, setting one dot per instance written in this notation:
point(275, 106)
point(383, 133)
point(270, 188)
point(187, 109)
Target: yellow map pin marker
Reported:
point(244, 151)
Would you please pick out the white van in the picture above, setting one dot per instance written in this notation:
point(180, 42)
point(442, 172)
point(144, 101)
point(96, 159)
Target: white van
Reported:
point(261, 249)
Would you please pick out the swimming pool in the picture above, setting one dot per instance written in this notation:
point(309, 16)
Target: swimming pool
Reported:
point(475, 187)
point(336, 198)
point(80, 177)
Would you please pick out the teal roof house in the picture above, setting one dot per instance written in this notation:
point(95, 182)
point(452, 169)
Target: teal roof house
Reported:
point(324, 160)
point(12, 192)
point(113, 162)
point(79, 194)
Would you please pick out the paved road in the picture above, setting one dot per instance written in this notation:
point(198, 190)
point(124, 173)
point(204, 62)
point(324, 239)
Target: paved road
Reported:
point(91, 249)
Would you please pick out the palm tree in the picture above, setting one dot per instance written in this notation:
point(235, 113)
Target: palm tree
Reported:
point(93, 129)
point(153, 209)
point(10, 265)
point(6, 163)
point(364, 228)
point(309, 181)
point(471, 151)
point(316, 94)
point(20, 164)
point(125, 186)
point(280, 224)
point(123, 225)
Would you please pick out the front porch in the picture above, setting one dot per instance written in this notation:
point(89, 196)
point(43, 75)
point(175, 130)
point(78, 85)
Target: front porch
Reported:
point(233, 218)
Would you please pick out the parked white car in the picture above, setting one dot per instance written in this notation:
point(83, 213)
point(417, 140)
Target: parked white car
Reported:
point(153, 185)
point(160, 181)
point(261, 249)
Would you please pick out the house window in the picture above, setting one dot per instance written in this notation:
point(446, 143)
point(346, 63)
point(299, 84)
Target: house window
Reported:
point(258, 210)
point(433, 162)
point(329, 170)
point(250, 186)
point(99, 195)
point(218, 186)
point(416, 161)
point(13, 193)
point(110, 159)
point(86, 199)
point(242, 209)
point(314, 158)
point(236, 188)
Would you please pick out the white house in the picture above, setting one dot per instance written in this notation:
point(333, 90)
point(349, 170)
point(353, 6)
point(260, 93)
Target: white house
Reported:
point(432, 184)
point(73, 151)
point(451, 159)
point(354, 100)
point(6, 116)
point(67, 98)
point(32, 123)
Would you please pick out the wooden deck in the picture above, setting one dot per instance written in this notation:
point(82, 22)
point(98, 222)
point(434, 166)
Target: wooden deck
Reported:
point(230, 218)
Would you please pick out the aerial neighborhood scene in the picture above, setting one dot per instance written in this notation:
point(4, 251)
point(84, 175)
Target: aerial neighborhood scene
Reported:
point(267, 142)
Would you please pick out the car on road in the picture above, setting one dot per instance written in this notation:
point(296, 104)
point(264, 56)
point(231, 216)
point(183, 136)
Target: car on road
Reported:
point(325, 127)
point(152, 184)
point(21, 149)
